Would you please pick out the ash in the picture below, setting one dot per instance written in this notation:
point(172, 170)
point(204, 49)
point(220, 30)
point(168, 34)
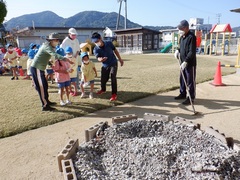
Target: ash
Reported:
point(153, 149)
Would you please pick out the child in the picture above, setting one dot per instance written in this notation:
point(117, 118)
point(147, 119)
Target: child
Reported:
point(22, 61)
point(62, 77)
point(89, 72)
point(73, 75)
point(31, 54)
point(2, 69)
point(11, 57)
point(49, 70)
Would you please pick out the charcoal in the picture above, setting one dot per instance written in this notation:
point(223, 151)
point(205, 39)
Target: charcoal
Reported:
point(155, 149)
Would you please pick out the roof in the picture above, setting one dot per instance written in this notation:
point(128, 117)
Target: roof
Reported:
point(236, 10)
point(136, 30)
point(221, 28)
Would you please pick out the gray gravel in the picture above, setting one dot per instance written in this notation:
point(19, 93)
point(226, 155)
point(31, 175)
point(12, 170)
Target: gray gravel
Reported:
point(153, 149)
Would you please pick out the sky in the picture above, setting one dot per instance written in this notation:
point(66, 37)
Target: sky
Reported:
point(149, 12)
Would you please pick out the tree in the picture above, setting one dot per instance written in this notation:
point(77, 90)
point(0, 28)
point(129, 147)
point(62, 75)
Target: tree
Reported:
point(3, 11)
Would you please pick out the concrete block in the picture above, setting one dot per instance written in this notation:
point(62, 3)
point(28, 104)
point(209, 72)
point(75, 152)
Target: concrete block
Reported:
point(236, 147)
point(217, 135)
point(151, 116)
point(90, 133)
point(124, 118)
point(187, 122)
point(67, 152)
point(68, 170)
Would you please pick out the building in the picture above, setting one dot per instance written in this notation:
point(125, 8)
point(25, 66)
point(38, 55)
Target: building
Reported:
point(137, 40)
point(38, 35)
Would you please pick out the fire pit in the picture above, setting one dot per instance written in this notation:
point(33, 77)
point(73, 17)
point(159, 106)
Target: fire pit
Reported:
point(155, 149)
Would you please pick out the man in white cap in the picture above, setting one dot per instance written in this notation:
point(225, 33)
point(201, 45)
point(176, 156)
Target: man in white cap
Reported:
point(72, 41)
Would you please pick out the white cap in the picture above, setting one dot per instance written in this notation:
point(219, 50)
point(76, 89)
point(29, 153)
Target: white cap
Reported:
point(72, 31)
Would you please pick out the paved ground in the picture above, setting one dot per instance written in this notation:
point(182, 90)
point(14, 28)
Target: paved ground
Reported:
point(33, 154)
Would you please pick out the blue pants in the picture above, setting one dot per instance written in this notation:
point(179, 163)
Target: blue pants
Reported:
point(190, 77)
point(41, 85)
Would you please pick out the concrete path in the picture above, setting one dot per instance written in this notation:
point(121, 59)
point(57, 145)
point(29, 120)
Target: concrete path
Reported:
point(33, 154)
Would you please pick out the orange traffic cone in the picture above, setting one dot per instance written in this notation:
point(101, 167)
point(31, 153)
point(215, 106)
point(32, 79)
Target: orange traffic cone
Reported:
point(21, 72)
point(218, 76)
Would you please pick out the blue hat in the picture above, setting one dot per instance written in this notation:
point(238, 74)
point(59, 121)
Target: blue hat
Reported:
point(95, 37)
point(60, 51)
point(68, 49)
point(83, 54)
point(31, 46)
point(24, 50)
point(31, 53)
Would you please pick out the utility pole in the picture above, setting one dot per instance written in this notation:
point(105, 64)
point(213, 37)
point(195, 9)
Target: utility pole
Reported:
point(218, 17)
point(118, 19)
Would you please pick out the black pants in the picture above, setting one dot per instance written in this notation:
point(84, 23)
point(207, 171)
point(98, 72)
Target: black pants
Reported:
point(105, 73)
point(41, 85)
point(190, 77)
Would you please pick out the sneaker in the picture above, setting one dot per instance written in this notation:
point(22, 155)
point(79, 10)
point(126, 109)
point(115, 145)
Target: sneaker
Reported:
point(180, 96)
point(17, 78)
point(91, 95)
point(113, 98)
point(83, 95)
point(12, 78)
point(26, 78)
point(48, 108)
point(62, 103)
point(51, 103)
point(74, 94)
point(68, 102)
point(187, 102)
point(100, 92)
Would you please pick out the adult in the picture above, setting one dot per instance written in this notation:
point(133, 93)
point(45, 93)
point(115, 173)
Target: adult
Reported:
point(188, 62)
point(72, 41)
point(105, 52)
point(38, 66)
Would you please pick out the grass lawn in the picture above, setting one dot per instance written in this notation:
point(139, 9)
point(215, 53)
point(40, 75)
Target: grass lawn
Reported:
point(141, 76)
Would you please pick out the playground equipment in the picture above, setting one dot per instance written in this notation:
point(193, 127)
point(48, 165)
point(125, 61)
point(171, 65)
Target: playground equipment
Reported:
point(217, 30)
point(166, 48)
point(173, 45)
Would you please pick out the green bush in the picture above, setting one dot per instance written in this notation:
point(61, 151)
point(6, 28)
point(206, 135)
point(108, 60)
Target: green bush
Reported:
point(3, 11)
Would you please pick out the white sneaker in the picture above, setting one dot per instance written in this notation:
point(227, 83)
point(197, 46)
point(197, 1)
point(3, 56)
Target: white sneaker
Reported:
point(83, 95)
point(91, 95)
point(68, 102)
point(62, 103)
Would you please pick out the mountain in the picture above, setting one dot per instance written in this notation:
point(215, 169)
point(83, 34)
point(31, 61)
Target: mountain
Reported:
point(42, 19)
point(82, 19)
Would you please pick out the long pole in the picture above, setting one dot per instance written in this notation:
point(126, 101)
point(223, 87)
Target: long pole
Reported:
point(118, 19)
point(125, 14)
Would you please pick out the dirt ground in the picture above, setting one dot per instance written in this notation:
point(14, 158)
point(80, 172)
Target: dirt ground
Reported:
point(33, 154)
